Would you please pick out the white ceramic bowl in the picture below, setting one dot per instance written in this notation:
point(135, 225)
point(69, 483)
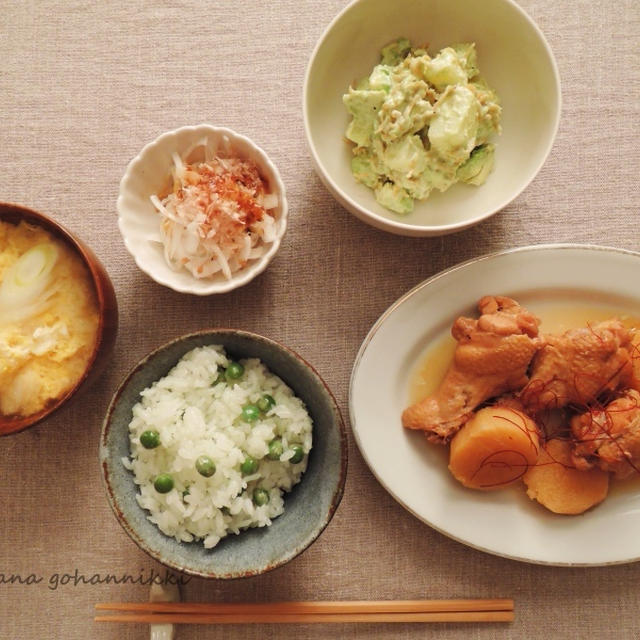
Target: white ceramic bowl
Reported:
point(148, 173)
point(513, 57)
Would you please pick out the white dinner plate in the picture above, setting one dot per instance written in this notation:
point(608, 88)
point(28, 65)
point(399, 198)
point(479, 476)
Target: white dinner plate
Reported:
point(505, 522)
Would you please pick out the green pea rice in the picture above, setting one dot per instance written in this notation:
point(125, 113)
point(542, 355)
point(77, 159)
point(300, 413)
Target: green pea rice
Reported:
point(197, 412)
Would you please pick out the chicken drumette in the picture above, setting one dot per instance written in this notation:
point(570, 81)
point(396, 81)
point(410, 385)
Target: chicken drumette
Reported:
point(609, 438)
point(491, 358)
point(574, 368)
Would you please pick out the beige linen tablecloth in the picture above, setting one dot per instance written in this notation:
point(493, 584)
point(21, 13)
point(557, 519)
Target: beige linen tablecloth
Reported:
point(83, 86)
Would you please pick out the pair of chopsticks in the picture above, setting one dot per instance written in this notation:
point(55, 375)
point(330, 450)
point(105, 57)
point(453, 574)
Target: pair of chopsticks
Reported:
point(380, 611)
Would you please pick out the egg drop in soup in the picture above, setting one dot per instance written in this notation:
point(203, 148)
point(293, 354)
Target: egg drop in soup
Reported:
point(48, 319)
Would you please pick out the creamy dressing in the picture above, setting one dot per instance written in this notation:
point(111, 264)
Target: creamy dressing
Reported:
point(421, 123)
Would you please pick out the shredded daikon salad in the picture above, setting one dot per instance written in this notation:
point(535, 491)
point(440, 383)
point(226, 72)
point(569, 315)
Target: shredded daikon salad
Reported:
point(216, 216)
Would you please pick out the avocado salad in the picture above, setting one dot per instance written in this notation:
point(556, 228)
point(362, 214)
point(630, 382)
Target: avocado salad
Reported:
point(421, 123)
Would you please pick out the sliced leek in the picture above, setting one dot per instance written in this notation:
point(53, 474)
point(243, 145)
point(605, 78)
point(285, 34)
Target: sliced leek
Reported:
point(27, 285)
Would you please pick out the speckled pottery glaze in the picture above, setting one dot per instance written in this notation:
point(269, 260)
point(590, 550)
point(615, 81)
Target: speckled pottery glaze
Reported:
point(309, 507)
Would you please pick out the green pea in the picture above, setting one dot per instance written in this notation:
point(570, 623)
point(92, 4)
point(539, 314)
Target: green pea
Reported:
point(298, 454)
point(234, 371)
point(221, 378)
point(150, 439)
point(250, 413)
point(205, 466)
point(275, 449)
point(163, 483)
point(265, 403)
point(249, 466)
point(260, 497)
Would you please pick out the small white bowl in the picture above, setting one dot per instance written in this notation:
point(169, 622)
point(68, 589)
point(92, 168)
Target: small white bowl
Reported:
point(514, 58)
point(148, 173)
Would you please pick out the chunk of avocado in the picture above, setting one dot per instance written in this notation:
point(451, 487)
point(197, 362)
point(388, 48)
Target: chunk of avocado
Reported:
point(490, 110)
point(380, 78)
point(479, 165)
point(363, 106)
point(417, 186)
point(440, 174)
point(393, 197)
point(466, 52)
point(395, 51)
point(363, 168)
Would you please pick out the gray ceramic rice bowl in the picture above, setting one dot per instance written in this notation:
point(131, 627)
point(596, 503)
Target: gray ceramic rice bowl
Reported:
point(310, 505)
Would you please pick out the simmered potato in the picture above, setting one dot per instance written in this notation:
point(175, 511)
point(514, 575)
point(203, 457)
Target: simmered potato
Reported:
point(494, 448)
point(556, 484)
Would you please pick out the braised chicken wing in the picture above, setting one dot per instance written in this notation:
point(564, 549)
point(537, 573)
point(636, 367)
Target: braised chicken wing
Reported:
point(609, 438)
point(578, 366)
point(634, 351)
point(491, 358)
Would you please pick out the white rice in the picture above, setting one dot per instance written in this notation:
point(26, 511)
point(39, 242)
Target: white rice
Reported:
point(195, 417)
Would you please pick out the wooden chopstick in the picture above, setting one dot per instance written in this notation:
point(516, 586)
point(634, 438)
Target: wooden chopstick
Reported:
point(381, 611)
point(314, 606)
point(307, 618)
